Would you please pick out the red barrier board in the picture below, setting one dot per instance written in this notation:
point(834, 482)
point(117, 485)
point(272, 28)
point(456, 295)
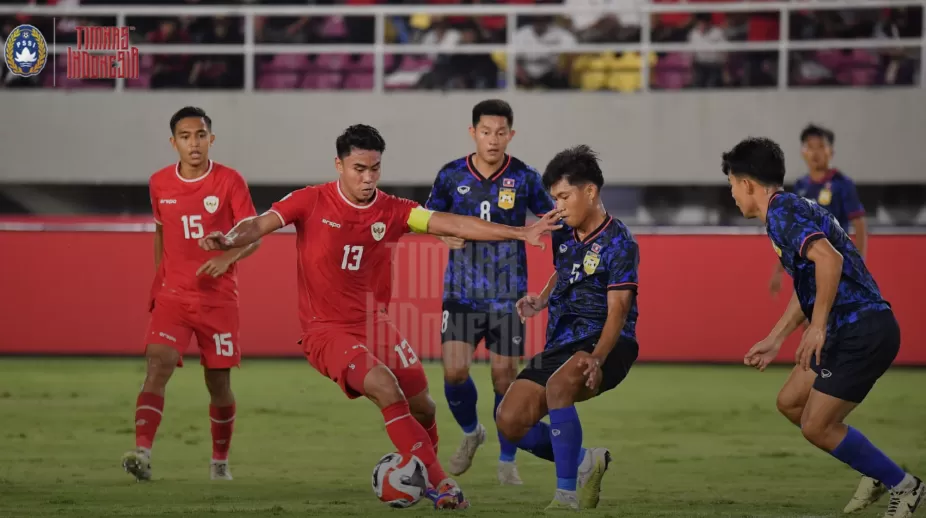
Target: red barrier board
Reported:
point(703, 298)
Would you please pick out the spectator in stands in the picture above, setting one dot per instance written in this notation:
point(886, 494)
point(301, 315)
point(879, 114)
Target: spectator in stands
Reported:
point(606, 27)
point(898, 66)
point(544, 70)
point(170, 71)
point(708, 66)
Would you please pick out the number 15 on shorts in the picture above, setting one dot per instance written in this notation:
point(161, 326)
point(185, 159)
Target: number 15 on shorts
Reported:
point(223, 344)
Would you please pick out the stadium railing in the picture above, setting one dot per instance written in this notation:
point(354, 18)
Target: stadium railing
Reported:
point(251, 48)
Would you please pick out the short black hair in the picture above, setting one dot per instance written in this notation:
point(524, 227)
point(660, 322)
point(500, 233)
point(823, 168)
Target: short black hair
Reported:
point(577, 165)
point(359, 136)
point(187, 112)
point(493, 108)
point(758, 158)
point(813, 130)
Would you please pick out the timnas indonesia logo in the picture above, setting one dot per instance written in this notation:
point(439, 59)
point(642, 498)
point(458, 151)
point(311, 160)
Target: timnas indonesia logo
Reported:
point(100, 53)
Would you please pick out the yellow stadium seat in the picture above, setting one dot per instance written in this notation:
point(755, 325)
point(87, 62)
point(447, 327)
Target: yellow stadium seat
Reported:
point(501, 60)
point(420, 21)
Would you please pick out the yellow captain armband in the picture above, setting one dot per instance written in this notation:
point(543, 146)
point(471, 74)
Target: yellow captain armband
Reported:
point(418, 220)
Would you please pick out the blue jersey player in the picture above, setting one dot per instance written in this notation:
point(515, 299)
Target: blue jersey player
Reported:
point(591, 333)
point(484, 281)
point(852, 337)
point(832, 190)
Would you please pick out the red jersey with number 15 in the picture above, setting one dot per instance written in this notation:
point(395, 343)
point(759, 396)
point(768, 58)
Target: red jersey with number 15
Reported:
point(344, 252)
point(188, 210)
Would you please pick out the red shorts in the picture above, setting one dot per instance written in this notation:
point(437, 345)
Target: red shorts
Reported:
point(173, 323)
point(335, 350)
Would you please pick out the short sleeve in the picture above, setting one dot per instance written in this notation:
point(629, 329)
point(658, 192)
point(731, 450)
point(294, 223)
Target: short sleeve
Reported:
point(851, 204)
point(154, 202)
point(440, 199)
point(793, 229)
point(296, 206)
point(400, 215)
point(622, 270)
point(241, 203)
point(539, 200)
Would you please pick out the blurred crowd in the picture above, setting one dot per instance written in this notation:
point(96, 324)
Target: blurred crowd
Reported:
point(446, 70)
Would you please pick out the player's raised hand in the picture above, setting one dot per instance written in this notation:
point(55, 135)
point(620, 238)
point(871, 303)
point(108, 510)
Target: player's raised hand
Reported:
point(215, 241)
point(455, 243)
point(548, 223)
point(216, 267)
point(762, 354)
point(528, 306)
point(811, 345)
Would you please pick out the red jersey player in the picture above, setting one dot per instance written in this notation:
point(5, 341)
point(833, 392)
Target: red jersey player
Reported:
point(344, 234)
point(195, 291)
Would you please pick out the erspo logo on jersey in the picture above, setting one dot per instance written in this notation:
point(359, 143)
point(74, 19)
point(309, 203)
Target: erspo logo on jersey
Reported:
point(103, 53)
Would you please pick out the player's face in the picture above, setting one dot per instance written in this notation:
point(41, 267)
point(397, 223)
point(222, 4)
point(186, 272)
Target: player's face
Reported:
point(817, 153)
point(741, 189)
point(492, 135)
point(192, 140)
point(359, 173)
point(577, 201)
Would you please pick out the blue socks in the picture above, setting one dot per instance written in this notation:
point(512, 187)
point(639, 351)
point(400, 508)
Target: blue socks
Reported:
point(507, 450)
point(858, 452)
point(566, 436)
point(462, 399)
point(537, 441)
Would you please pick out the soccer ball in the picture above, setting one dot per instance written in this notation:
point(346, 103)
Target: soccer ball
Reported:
point(400, 480)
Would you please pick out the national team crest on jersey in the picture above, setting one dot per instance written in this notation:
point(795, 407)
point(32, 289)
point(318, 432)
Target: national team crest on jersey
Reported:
point(508, 182)
point(506, 198)
point(26, 51)
point(379, 230)
point(826, 195)
point(596, 247)
point(211, 203)
point(590, 263)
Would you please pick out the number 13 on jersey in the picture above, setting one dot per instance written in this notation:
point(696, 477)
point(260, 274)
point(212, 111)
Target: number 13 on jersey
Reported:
point(352, 256)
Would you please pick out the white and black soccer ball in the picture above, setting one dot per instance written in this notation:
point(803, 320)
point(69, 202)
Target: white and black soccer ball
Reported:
point(400, 481)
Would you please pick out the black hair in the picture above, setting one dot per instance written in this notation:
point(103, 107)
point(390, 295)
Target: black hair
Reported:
point(187, 112)
point(359, 136)
point(577, 165)
point(493, 108)
point(758, 158)
point(812, 130)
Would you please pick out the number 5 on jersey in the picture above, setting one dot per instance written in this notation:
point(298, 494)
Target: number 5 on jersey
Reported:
point(352, 256)
point(192, 226)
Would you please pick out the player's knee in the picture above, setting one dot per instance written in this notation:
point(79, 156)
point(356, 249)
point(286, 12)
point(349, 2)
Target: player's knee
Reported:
point(509, 422)
point(382, 387)
point(423, 408)
point(160, 361)
point(815, 430)
point(218, 383)
point(456, 374)
point(789, 407)
point(503, 377)
point(563, 387)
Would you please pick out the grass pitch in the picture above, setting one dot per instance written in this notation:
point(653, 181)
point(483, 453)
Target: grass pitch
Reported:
point(687, 441)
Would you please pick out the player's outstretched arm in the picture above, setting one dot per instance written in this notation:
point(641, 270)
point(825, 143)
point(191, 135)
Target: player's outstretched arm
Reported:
point(475, 229)
point(243, 234)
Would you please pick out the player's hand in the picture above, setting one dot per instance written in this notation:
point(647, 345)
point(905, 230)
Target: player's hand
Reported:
point(811, 345)
point(215, 241)
point(455, 243)
point(548, 223)
point(528, 306)
point(216, 267)
point(774, 284)
point(762, 354)
point(591, 369)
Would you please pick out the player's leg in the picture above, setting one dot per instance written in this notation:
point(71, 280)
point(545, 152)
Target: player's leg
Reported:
point(852, 363)
point(564, 389)
point(519, 415)
point(505, 342)
point(217, 336)
point(792, 398)
point(167, 336)
point(461, 330)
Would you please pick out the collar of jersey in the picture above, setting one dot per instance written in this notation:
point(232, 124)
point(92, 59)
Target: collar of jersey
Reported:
point(500, 171)
point(194, 180)
point(594, 234)
point(337, 187)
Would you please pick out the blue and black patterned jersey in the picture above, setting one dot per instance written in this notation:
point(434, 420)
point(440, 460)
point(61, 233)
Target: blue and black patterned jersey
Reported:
point(793, 224)
point(836, 193)
point(489, 276)
point(586, 270)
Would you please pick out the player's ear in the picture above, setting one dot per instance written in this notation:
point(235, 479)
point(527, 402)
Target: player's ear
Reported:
point(472, 132)
point(339, 165)
point(211, 139)
point(173, 142)
point(511, 135)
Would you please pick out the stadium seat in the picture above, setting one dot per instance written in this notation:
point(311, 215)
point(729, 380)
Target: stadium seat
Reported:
point(289, 63)
point(280, 81)
point(332, 62)
point(595, 74)
point(359, 81)
point(672, 71)
point(334, 28)
point(365, 63)
point(321, 81)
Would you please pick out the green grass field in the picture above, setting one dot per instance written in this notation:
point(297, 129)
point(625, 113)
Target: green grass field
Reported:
point(687, 441)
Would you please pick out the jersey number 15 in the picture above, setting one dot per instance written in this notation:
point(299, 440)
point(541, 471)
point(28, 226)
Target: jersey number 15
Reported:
point(192, 226)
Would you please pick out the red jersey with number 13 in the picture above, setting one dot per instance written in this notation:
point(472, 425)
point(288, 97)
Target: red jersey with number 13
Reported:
point(344, 255)
point(188, 210)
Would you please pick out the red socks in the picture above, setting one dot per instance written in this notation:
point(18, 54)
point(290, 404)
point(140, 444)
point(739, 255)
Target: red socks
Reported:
point(222, 424)
point(409, 436)
point(149, 408)
point(432, 434)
